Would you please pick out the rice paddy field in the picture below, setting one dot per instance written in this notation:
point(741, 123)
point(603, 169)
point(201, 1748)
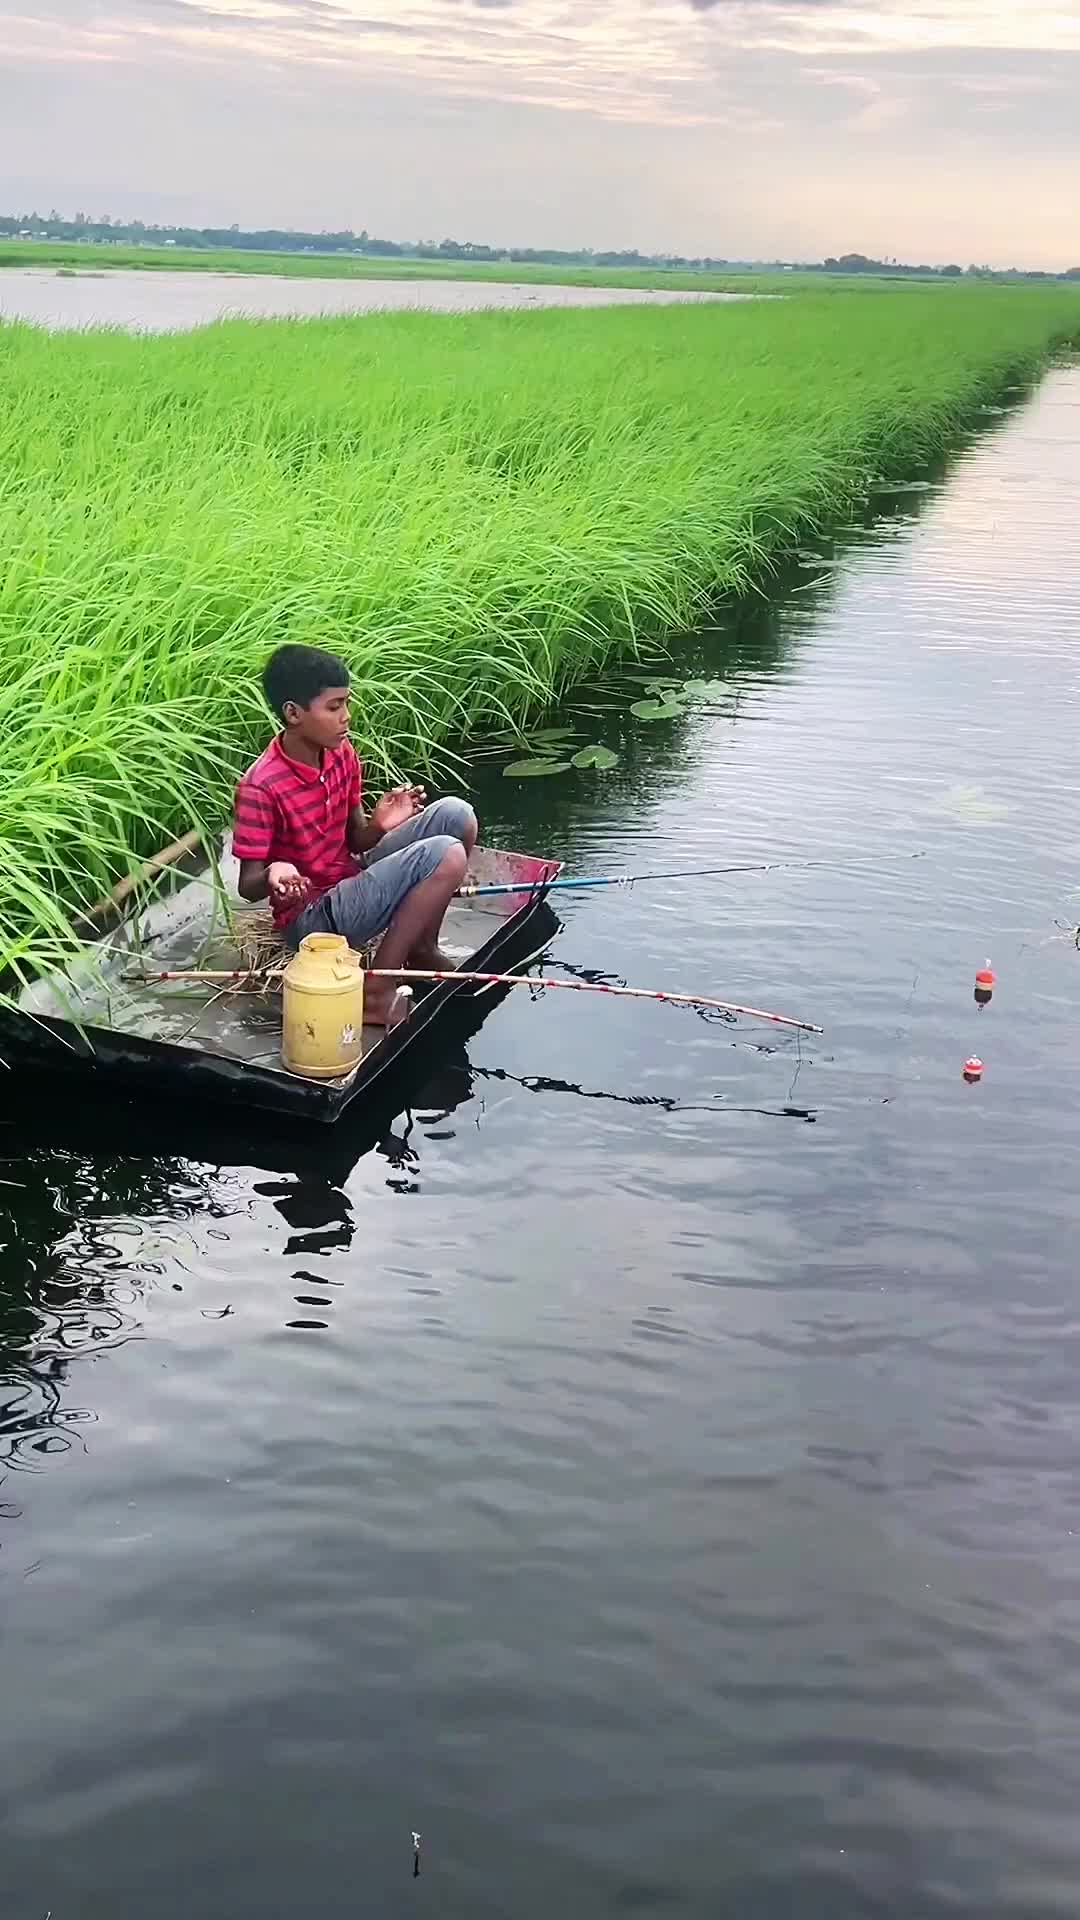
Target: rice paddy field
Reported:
point(81, 256)
point(476, 511)
point(72, 256)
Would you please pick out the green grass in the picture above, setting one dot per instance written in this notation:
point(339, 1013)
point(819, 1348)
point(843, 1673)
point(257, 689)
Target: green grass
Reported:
point(80, 256)
point(475, 510)
point(337, 266)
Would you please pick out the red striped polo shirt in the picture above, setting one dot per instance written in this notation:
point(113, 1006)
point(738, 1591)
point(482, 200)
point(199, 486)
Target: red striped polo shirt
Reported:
point(286, 810)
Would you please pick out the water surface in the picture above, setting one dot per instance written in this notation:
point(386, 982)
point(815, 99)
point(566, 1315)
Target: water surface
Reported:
point(649, 1468)
point(161, 301)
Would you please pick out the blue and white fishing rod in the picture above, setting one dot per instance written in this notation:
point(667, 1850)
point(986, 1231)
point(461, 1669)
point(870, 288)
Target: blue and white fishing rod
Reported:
point(473, 891)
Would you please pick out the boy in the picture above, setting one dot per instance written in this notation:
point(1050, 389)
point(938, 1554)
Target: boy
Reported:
point(301, 835)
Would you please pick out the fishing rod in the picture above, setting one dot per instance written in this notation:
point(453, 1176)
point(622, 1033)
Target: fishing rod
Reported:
point(252, 974)
point(473, 891)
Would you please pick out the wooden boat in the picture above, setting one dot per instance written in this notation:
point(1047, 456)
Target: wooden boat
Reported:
point(191, 1041)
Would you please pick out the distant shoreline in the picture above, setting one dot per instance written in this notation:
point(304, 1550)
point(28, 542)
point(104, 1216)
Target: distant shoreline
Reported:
point(108, 257)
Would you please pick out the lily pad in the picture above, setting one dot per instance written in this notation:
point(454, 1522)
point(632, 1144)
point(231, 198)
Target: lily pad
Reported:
point(531, 769)
point(666, 690)
point(523, 738)
point(603, 758)
point(705, 689)
point(657, 709)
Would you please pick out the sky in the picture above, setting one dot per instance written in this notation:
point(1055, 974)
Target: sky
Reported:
point(929, 130)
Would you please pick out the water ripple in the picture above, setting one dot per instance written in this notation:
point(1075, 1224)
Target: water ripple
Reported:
point(659, 1505)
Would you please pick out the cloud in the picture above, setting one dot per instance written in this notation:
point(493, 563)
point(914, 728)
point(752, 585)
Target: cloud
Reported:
point(627, 62)
point(723, 125)
point(907, 23)
point(656, 58)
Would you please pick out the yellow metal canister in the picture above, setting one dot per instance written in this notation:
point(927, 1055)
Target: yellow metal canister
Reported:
point(323, 1010)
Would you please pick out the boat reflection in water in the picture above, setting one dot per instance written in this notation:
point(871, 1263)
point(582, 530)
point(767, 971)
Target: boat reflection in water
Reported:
point(96, 1194)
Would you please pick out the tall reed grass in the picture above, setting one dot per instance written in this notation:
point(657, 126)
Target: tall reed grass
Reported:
point(475, 511)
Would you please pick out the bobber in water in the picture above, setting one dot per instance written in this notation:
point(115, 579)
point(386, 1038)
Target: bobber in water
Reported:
point(985, 982)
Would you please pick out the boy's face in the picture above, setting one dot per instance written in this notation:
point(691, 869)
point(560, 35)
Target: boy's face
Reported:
point(326, 722)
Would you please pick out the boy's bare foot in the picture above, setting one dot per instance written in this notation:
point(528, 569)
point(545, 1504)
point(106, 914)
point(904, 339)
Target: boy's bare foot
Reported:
point(385, 1005)
point(432, 960)
point(378, 1000)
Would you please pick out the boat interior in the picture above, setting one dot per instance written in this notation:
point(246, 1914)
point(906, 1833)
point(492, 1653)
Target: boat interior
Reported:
point(199, 923)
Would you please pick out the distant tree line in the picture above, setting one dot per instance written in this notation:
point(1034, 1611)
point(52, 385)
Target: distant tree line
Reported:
point(861, 263)
point(104, 230)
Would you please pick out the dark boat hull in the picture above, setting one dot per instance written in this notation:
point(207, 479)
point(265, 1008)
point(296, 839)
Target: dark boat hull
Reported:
point(156, 1070)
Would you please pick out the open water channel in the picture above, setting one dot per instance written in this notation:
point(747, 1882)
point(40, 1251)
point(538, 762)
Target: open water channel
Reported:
point(160, 301)
point(649, 1469)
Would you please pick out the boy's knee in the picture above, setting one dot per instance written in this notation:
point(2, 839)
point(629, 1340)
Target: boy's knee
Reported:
point(440, 854)
point(456, 818)
point(454, 861)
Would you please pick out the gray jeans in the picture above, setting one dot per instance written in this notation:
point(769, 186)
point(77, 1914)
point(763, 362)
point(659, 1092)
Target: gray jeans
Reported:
point(364, 905)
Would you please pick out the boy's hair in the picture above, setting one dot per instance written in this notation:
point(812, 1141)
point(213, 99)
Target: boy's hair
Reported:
point(298, 675)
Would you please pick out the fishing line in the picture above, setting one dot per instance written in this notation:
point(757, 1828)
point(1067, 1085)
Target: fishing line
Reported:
point(472, 891)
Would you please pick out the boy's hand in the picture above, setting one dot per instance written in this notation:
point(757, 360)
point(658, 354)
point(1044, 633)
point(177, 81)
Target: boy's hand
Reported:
point(286, 883)
point(397, 808)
